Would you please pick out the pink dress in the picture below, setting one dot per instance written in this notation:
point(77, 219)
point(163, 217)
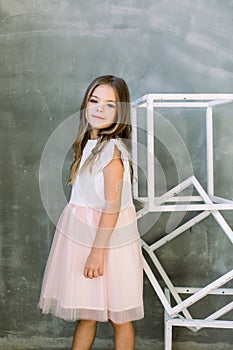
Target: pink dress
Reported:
point(117, 295)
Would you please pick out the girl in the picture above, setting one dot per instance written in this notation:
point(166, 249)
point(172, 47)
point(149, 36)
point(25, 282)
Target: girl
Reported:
point(94, 270)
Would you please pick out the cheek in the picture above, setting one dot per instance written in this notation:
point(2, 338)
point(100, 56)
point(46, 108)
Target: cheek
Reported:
point(89, 112)
point(88, 115)
point(112, 115)
point(89, 109)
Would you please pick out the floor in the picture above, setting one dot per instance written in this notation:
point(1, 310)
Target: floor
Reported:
point(37, 343)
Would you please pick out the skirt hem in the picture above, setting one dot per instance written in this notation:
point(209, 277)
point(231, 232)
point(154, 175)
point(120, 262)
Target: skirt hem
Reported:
point(72, 315)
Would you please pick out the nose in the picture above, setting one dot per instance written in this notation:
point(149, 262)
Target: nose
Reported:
point(100, 107)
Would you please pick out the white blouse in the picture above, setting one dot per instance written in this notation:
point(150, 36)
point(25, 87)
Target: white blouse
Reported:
point(88, 187)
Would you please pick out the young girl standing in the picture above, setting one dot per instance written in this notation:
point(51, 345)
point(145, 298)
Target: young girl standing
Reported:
point(94, 270)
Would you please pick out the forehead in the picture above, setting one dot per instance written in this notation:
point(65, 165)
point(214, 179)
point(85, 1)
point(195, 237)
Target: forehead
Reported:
point(104, 93)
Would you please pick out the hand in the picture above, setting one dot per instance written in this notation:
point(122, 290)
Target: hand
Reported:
point(95, 263)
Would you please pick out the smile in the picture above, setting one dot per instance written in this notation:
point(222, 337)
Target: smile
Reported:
point(98, 117)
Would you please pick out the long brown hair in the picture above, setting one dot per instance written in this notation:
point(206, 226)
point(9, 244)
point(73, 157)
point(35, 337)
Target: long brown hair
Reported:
point(121, 128)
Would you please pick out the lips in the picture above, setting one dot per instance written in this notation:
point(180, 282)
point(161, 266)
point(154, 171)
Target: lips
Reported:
point(97, 117)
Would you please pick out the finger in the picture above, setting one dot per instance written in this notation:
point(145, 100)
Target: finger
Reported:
point(95, 273)
point(101, 272)
point(90, 274)
point(86, 272)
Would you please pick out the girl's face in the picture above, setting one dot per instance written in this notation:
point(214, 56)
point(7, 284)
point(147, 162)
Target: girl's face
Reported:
point(101, 109)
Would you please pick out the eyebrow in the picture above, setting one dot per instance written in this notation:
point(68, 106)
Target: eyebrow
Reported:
point(99, 98)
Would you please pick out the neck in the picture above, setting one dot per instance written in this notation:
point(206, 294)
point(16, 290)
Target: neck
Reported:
point(94, 134)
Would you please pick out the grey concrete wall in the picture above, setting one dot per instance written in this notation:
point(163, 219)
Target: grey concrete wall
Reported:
point(49, 52)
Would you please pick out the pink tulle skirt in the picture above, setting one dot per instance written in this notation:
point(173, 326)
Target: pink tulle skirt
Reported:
point(117, 295)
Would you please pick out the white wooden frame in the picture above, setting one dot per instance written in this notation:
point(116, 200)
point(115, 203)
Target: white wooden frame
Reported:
point(197, 324)
point(206, 203)
point(152, 101)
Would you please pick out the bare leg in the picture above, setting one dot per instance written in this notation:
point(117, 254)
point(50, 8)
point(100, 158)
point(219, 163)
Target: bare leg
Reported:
point(84, 335)
point(123, 336)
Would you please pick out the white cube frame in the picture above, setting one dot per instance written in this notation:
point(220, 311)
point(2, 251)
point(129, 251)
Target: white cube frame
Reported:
point(210, 205)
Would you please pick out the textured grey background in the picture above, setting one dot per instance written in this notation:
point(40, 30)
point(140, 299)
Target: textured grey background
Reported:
point(49, 52)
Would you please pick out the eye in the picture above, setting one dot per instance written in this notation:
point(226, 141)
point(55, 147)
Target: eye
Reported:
point(93, 100)
point(111, 105)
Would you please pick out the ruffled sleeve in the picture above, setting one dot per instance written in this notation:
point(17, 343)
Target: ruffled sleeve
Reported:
point(107, 153)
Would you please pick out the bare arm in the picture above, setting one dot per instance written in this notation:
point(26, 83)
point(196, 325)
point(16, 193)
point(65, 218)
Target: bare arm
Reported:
point(113, 177)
